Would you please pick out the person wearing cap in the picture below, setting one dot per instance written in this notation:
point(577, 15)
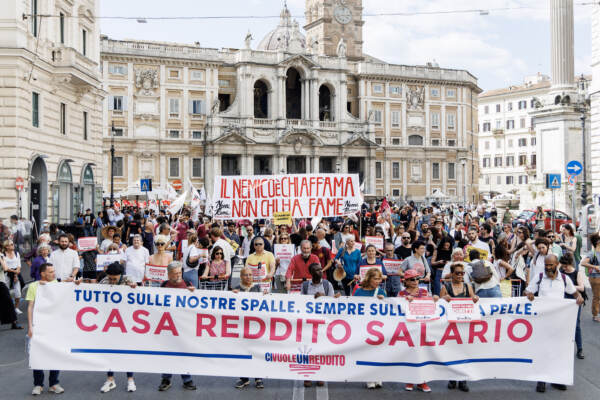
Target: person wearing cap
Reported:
point(411, 291)
point(115, 276)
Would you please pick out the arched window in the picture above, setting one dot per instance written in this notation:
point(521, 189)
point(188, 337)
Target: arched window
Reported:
point(261, 100)
point(65, 193)
point(415, 140)
point(325, 104)
point(557, 100)
point(293, 94)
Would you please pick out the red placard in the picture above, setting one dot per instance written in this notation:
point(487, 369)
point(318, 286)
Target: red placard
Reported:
point(19, 183)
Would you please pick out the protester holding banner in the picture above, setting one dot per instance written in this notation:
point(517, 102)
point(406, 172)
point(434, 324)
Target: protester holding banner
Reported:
point(298, 269)
point(567, 267)
point(136, 258)
point(372, 259)
point(413, 291)
point(284, 251)
point(369, 287)
point(161, 257)
point(216, 238)
point(348, 259)
point(537, 264)
point(114, 276)
point(418, 262)
point(457, 288)
point(217, 268)
point(46, 275)
point(175, 281)
point(551, 283)
point(394, 279)
point(323, 253)
point(247, 285)
point(441, 256)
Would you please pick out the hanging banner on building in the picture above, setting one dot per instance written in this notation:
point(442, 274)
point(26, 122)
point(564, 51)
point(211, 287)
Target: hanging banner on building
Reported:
point(159, 330)
point(304, 196)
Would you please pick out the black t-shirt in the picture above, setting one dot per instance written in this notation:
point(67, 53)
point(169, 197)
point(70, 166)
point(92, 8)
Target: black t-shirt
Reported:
point(403, 252)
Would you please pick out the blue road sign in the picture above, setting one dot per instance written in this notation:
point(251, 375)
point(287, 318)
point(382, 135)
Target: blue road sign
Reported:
point(574, 167)
point(146, 185)
point(552, 181)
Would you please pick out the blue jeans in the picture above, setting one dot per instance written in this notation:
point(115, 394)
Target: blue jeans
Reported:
point(393, 285)
point(492, 292)
point(110, 374)
point(38, 378)
point(436, 276)
point(191, 276)
point(184, 378)
point(578, 340)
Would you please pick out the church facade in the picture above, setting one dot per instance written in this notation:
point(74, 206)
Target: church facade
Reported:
point(306, 101)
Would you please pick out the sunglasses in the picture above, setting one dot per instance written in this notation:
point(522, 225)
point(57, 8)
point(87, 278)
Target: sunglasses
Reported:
point(459, 272)
point(218, 254)
point(259, 244)
point(411, 279)
point(160, 244)
point(284, 237)
point(406, 238)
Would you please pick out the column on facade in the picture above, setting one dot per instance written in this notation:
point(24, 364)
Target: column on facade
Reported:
point(404, 178)
point(341, 99)
point(443, 124)
point(314, 99)
point(164, 104)
point(427, 118)
point(462, 125)
point(386, 173)
point(404, 119)
point(362, 103)
point(388, 120)
point(281, 94)
point(163, 169)
point(427, 177)
point(315, 168)
point(562, 48)
point(186, 171)
point(444, 172)
point(130, 177)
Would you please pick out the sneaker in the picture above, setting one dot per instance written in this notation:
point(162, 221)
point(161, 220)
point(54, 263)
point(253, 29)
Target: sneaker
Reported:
point(37, 390)
point(189, 385)
point(580, 354)
point(371, 385)
point(462, 385)
point(259, 384)
point(56, 389)
point(108, 386)
point(409, 387)
point(541, 387)
point(307, 384)
point(241, 384)
point(559, 386)
point(19, 312)
point(379, 384)
point(165, 384)
point(131, 385)
point(320, 383)
point(424, 387)
point(451, 384)
point(596, 319)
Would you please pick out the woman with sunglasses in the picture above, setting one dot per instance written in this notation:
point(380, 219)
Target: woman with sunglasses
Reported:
point(457, 288)
point(218, 268)
point(162, 257)
point(281, 266)
point(413, 291)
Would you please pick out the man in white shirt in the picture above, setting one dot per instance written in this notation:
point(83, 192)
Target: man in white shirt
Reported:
point(552, 284)
point(137, 256)
point(215, 237)
point(473, 236)
point(246, 250)
point(320, 233)
point(65, 260)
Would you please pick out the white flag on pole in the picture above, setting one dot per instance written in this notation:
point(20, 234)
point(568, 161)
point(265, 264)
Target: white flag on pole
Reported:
point(195, 195)
point(177, 204)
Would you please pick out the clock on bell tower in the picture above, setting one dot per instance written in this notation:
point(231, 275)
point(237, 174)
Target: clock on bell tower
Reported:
point(330, 21)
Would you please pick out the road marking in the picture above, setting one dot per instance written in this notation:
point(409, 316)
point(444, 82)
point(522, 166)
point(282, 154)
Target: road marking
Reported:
point(298, 393)
point(322, 392)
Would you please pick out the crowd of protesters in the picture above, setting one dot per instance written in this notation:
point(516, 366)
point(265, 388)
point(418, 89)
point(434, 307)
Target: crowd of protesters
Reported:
point(445, 252)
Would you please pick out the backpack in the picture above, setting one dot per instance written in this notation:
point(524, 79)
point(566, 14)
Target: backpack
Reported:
point(564, 278)
point(481, 273)
point(305, 284)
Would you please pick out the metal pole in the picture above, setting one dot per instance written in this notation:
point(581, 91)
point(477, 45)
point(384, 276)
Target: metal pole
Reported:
point(552, 211)
point(584, 183)
point(112, 164)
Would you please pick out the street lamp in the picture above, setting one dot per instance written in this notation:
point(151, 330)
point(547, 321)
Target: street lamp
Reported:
point(112, 164)
point(582, 107)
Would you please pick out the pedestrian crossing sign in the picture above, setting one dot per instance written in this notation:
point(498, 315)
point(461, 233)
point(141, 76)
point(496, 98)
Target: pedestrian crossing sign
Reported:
point(553, 181)
point(146, 185)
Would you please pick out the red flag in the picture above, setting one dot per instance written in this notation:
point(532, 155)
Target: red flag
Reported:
point(385, 206)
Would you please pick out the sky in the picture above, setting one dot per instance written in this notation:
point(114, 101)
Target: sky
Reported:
point(500, 48)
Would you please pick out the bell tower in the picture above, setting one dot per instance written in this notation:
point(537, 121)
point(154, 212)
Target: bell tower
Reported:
point(330, 21)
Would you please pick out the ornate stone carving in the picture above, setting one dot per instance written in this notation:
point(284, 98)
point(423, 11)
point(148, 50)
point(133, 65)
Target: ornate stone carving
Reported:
point(341, 48)
point(415, 98)
point(146, 80)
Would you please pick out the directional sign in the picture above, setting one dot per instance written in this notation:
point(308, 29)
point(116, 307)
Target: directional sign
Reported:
point(574, 168)
point(552, 181)
point(572, 181)
point(146, 185)
point(19, 183)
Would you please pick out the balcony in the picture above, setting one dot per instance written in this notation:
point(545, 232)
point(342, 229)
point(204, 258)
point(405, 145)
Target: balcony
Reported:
point(296, 123)
point(263, 122)
point(530, 169)
point(327, 124)
point(498, 131)
point(80, 69)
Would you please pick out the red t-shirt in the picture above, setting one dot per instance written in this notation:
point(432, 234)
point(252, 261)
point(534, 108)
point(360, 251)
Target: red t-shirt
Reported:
point(180, 285)
point(298, 268)
point(324, 255)
point(422, 293)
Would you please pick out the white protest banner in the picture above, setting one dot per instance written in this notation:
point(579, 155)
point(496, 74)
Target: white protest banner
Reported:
point(376, 241)
point(463, 310)
point(87, 243)
point(103, 260)
point(364, 268)
point(156, 273)
point(284, 252)
point(358, 339)
point(259, 272)
point(392, 266)
point(422, 310)
point(357, 246)
point(305, 196)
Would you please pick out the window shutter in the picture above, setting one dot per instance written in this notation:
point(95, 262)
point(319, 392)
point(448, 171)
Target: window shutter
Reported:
point(111, 103)
point(124, 103)
point(190, 106)
point(202, 107)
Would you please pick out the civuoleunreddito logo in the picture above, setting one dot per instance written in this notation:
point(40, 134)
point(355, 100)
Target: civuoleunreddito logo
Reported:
point(304, 363)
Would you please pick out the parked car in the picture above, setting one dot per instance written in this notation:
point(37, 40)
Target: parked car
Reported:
point(527, 217)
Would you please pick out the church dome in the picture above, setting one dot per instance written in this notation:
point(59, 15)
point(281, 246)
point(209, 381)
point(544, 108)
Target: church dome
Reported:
point(286, 36)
